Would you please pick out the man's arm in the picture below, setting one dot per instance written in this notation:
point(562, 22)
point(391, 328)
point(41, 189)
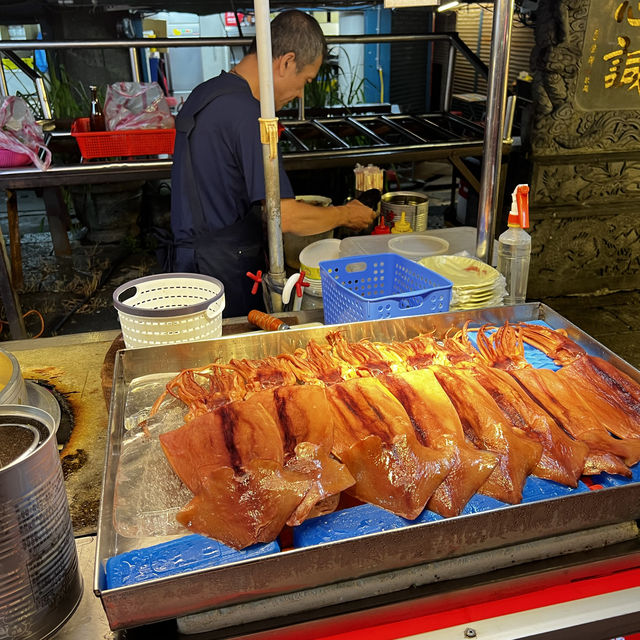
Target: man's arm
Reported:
point(306, 219)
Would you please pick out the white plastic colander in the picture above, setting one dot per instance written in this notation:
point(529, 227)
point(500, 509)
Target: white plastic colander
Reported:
point(169, 308)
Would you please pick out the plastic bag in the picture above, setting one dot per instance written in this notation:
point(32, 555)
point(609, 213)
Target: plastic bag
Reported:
point(136, 105)
point(20, 133)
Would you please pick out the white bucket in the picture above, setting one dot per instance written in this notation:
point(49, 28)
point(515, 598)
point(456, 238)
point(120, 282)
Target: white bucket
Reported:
point(169, 308)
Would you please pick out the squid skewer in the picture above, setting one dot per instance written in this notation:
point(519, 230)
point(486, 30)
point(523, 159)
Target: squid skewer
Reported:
point(580, 416)
point(613, 394)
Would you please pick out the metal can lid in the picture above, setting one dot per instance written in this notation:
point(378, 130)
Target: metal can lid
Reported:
point(17, 441)
point(22, 430)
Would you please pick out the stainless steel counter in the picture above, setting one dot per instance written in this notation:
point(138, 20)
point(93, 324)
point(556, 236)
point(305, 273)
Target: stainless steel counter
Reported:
point(89, 622)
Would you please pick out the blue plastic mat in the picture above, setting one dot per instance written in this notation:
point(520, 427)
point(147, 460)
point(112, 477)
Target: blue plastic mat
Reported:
point(366, 519)
point(177, 556)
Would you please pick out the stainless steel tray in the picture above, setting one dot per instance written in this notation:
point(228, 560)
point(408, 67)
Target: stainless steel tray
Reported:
point(325, 564)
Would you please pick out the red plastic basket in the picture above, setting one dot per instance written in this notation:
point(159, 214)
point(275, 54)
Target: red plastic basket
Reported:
point(127, 142)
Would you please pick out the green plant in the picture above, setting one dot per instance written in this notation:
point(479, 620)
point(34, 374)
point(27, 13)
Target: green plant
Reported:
point(326, 89)
point(68, 99)
point(323, 91)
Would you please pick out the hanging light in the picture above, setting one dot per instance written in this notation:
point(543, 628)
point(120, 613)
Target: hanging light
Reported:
point(448, 6)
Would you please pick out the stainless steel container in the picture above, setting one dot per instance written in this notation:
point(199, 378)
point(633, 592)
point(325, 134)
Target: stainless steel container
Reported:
point(413, 203)
point(140, 375)
point(40, 581)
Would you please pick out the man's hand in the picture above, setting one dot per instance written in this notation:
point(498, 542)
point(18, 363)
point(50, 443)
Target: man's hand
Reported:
point(357, 215)
point(305, 219)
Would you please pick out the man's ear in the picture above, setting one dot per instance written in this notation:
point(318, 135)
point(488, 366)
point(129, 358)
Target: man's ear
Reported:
point(287, 63)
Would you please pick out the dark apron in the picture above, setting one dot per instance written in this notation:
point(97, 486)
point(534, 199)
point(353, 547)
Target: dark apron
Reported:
point(229, 253)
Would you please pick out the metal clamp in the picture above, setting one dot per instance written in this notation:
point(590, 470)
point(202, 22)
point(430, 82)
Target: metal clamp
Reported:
point(269, 134)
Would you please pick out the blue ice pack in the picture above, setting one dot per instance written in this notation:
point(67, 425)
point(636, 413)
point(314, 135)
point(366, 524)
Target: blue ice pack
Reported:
point(541, 489)
point(177, 556)
point(366, 518)
point(353, 522)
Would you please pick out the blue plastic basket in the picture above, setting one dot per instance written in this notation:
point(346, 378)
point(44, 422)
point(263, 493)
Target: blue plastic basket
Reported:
point(385, 285)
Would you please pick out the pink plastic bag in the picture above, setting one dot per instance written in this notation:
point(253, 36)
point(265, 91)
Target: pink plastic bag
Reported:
point(20, 133)
point(136, 105)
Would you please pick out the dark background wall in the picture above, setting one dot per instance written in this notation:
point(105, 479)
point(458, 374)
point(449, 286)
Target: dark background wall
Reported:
point(90, 66)
point(409, 61)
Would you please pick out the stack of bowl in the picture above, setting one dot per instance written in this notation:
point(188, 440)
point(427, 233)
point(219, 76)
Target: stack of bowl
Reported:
point(310, 259)
point(12, 387)
point(15, 390)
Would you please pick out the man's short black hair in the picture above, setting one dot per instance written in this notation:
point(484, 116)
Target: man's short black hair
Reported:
point(298, 32)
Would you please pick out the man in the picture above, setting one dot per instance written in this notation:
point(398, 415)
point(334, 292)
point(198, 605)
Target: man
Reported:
point(218, 172)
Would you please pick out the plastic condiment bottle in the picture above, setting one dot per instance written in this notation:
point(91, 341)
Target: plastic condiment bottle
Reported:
point(402, 226)
point(380, 228)
point(514, 247)
point(96, 115)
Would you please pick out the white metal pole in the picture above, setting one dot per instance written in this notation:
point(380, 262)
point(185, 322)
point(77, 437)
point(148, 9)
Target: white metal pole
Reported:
point(496, 99)
point(269, 138)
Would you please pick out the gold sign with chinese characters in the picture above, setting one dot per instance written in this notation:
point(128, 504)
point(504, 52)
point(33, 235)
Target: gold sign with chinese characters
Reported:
point(609, 74)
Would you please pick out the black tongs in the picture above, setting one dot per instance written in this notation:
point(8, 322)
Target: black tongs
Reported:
point(370, 198)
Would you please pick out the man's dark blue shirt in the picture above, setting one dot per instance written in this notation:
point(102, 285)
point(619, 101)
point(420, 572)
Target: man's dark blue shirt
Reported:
point(226, 159)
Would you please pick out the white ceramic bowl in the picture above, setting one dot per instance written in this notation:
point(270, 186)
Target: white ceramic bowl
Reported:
point(314, 254)
point(415, 246)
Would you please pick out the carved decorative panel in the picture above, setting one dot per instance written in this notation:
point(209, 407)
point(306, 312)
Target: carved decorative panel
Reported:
point(585, 183)
point(560, 62)
point(585, 142)
point(582, 255)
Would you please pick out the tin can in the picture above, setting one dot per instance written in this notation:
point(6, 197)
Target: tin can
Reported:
point(40, 580)
point(414, 204)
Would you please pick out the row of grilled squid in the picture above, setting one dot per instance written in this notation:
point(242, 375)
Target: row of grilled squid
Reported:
point(422, 423)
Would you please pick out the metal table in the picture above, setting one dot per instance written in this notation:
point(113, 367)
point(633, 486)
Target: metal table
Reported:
point(452, 139)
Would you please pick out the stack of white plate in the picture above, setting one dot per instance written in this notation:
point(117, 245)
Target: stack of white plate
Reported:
point(476, 285)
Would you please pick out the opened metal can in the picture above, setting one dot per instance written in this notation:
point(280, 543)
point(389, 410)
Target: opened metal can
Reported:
point(40, 580)
point(413, 204)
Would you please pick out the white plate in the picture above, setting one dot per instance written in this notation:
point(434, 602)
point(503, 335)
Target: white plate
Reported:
point(462, 271)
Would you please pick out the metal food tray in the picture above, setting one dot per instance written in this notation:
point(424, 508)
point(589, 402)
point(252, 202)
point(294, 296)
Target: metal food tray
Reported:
point(328, 563)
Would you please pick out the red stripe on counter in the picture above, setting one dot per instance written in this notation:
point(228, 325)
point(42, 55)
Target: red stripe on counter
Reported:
point(569, 592)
